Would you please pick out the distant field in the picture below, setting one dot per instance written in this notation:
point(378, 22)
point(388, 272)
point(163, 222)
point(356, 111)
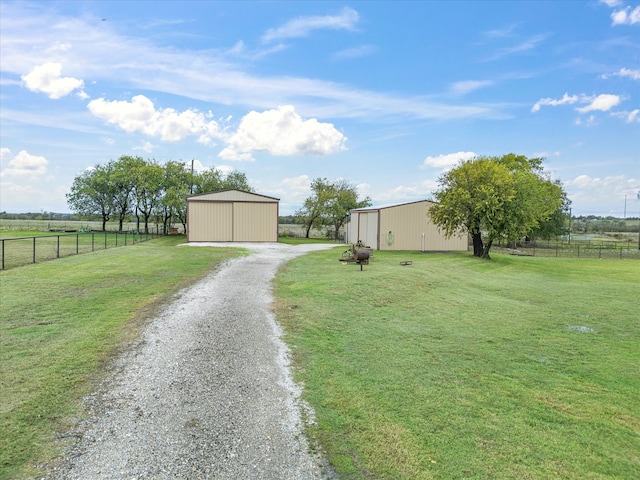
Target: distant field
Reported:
point(47, 225)
point(454, 367)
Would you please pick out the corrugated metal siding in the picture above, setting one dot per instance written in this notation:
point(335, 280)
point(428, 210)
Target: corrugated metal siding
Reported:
point(210, 221)
point(255, 222)
point(408, 227)
point(368, 228)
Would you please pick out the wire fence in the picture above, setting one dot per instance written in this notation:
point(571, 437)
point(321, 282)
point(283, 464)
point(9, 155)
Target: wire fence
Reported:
point(575, 249)
point(21, 251)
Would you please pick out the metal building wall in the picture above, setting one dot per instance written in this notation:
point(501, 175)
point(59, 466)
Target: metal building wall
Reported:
point(209, 221)
point(408, 227)
point(232, 216)
point(255, 222)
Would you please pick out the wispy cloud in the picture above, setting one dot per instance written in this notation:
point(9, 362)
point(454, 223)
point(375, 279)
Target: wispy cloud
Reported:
point(355, 52)
point(603, 102)
point(303, 26)
point(468, 86)
point(502, 32)
point(524, 46)
point(565, 100)
point(625, 72)
point(99, 54)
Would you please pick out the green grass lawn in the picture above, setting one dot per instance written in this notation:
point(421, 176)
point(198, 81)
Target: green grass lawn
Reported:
point(61, 320)
point(454, 367)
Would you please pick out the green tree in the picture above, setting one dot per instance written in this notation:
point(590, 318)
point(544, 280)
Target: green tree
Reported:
point(315, 206)
point(557, 223)
point(176, 186)
point(148, 179)
point(495, 198)
point(344, 197)
point(124, 179)
point(92, 192)
point(329, 204)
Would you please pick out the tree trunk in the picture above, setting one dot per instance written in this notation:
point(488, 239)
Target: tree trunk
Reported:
point(477, 244)
point(485, 251)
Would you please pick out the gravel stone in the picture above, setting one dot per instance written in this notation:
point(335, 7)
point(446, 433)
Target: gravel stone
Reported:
point(206, 392)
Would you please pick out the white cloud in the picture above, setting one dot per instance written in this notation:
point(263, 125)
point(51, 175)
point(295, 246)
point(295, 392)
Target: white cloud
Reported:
point(146, 146)
point(629, 117)
point(626, 72)
point(303, 26)
point(282, 132)
point(4, 153)
point(589, 122)
point(626, 16)
point(47, 78)
point(565, 100)
point(601, 103)
point(448, 160)
point(24, 164)
point(468, 86)
point(140, 115)
point(297, 185)
point(211, 75)
point(593, 192)
point(611, 3)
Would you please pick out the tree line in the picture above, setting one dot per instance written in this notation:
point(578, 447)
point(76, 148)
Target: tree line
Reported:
point(145, 189)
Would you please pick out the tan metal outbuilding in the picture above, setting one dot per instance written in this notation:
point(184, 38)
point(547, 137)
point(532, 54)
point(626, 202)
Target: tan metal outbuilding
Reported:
point(232, 216)
point(405, 226)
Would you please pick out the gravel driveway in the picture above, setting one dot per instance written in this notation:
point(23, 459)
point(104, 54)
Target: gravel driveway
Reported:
point(207, 392)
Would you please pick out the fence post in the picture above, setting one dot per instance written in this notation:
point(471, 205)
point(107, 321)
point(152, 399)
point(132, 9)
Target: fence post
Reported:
point(93, 242)
point(77, 243)
point(2, 254)
point(58, 249)
point(105, 239)
point(34, 249)
point(116, 239)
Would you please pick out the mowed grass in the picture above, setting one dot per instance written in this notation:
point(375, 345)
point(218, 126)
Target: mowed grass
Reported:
point(455, 367)
point(62, 320)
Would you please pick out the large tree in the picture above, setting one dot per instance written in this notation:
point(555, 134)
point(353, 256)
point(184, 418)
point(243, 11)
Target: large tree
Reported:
point(315, 206)
point(124, 178)
point(495, 198)
point(92, 192)
point(329, 204)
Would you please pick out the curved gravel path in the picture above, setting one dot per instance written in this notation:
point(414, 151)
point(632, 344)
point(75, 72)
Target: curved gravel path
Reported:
point(207, 392)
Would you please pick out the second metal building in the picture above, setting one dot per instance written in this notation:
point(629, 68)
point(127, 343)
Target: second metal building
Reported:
point(405, 226)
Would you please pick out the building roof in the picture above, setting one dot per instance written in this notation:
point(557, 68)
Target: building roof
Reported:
point(388, 205)
point(232, 194)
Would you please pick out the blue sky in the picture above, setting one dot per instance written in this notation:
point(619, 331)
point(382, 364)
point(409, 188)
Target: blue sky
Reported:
point(385, 94)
